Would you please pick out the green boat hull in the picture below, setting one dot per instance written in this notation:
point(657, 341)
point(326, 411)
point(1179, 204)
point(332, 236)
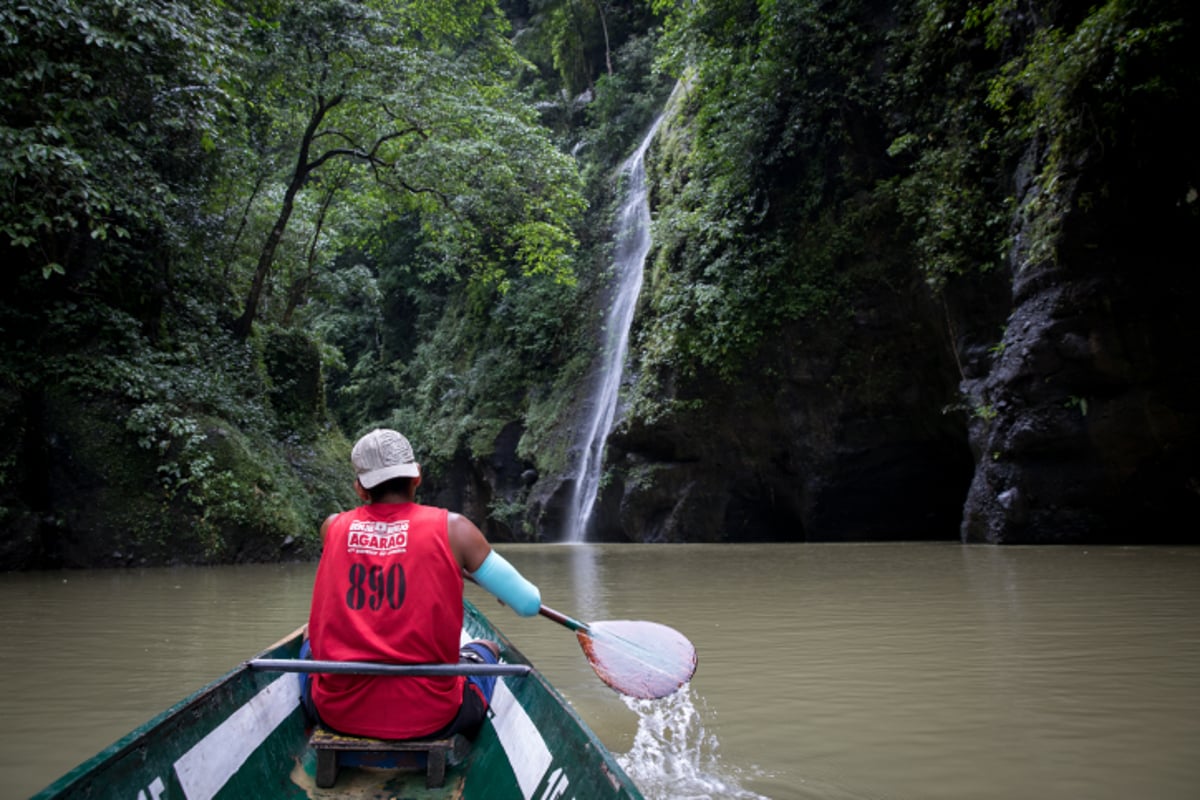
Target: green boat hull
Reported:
point(245, 736)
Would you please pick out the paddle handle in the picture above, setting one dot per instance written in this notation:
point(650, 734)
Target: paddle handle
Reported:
point(372, 668)
point(546, 611)
point(563, 619)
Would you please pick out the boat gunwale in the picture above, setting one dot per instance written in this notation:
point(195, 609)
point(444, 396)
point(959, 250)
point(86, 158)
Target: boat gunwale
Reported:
point(140, 734)
point(174, 717)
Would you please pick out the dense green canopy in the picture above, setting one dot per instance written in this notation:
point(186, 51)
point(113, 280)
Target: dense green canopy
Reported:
point(237, 232)
point(209, 210)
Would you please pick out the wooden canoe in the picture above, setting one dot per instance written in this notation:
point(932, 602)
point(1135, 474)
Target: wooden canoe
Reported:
point(245, 736)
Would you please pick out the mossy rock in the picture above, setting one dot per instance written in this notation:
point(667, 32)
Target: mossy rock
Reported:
point(222, 495)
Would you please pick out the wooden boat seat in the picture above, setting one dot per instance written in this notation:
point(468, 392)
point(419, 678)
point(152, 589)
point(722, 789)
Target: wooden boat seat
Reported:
point(335, 750)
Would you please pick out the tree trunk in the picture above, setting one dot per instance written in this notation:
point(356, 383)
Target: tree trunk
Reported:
point(299, 287)
point(604, 27)
point(245, 323)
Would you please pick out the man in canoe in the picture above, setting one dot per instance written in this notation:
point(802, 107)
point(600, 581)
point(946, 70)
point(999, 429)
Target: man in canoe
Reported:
point(389, 588)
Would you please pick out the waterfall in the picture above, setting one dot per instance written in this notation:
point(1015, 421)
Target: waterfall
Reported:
point(632, 245)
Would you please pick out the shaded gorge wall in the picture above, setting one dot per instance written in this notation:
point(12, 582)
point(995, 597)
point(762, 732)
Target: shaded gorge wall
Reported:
point(918, 312)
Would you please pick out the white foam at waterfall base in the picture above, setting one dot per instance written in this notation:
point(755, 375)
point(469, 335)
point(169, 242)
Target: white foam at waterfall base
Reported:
point(674, 757)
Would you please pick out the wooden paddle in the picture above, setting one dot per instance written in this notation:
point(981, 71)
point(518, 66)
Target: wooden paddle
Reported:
point(645, 660)
point(639, 659)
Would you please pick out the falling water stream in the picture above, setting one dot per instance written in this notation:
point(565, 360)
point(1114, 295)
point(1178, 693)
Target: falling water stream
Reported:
point(632, 245)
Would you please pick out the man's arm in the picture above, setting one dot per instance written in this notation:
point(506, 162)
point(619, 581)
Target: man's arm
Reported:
point(490, 569)
point(325, 527)
point(467, 542)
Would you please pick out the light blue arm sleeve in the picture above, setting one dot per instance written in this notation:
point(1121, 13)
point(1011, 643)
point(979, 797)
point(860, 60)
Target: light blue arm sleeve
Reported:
point(502, 579)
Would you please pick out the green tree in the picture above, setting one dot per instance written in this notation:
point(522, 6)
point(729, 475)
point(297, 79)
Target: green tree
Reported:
point(411, 101)
point(107, 107)
point(571, 32)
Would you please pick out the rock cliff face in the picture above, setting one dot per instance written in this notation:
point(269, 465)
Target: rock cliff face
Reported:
point(1094, 420)
point(1081, 425)
point(1053, 403)
point(792, 451)
point(845, 431)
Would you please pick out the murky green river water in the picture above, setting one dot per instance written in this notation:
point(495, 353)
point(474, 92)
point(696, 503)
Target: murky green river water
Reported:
point(899, 671)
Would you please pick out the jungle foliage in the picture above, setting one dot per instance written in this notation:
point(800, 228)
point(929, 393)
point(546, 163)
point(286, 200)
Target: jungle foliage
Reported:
point(237, 233)
point(828, 146)
point(186, 185)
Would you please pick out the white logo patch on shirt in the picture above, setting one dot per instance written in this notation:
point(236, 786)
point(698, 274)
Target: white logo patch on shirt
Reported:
point(377, 538)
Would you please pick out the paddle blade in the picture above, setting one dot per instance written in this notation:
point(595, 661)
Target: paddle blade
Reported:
point(639, 659)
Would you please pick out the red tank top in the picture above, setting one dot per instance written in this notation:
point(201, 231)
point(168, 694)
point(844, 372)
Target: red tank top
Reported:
point(387, 589)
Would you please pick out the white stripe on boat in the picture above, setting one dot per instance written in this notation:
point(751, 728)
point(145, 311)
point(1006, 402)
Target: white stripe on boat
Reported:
point(204, 769)
point(523, 743)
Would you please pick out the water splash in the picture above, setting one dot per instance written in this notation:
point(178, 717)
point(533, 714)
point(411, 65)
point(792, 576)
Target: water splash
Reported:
point(674, 757)
point(633, 243)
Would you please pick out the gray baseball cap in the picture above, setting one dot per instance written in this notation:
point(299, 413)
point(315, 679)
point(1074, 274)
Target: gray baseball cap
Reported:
point(381, 455)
